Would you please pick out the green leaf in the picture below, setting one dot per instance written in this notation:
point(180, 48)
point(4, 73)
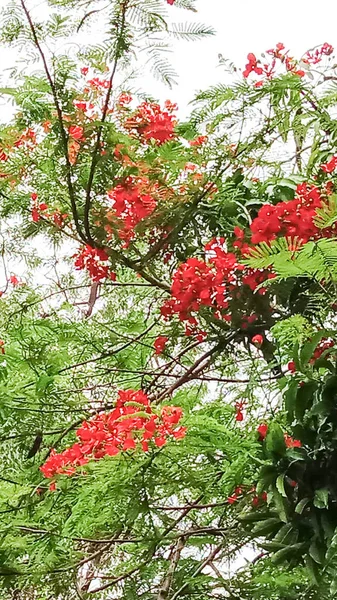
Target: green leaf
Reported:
point(275, 443)
point(312, 570)
point(316, 551)
point(300, 506)
point(281, 505)
point(321, 499)
point(287, 553)
point(252, 517)
point(280, 485)
point(266, 527)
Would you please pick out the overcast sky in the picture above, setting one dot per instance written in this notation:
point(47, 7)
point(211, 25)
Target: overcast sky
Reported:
point(244, 26)
point(241, 26)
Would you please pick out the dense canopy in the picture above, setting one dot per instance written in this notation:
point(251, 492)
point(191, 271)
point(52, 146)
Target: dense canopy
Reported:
point(168, 352)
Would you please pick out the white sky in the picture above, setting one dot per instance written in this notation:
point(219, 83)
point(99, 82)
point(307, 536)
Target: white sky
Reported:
point(248, 26)
point(242, 26)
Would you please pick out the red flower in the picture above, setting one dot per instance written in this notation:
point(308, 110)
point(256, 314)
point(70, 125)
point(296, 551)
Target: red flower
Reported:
point(84, 70)
point(291, 366)
point(262, 431)
point(93, 259)
point(315, 57)
point(124, 428)
point(290, 442)
point(239, 416)
point(124, 99)
point(252, 66)
point(257, 340)
point(76, 132)
point(14, 280)
point(80, 105)
point(150, 122)
point(171, 2)
point(294, 218)
point(330, 166)
point(199, 141)
point(231, 499)
point(160, 344)
point(2, 347)
point(35, 215)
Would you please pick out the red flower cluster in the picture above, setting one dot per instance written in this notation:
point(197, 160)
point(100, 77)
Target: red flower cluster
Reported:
point(294, 218)
point(83, 106)
point(258, 499)
point(171, 2)
point(94, 261)
point(2, 347)
point(239, 492)
point(235, 496)
point(37, 207)
point(268, 70)
point(150, 122)
point(132, 424)
point(133, 202)
point(98, 84)
point(197, 283)
point(315, 57)
point(160, 344)
point(15, 281)
point(124, 99)
point(41, 207)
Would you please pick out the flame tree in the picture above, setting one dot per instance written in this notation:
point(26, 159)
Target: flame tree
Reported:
point(168, 346)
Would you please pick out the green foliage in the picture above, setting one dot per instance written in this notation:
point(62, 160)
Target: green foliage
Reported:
point(255, 472)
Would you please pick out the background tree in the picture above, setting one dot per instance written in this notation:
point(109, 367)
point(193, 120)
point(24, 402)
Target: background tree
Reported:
point(168, 373)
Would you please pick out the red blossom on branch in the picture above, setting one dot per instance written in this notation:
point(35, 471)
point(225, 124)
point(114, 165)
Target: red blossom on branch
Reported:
point(160, 344)
point(330, 166)
point(252, 66)
point(76, 132)
point(150, 122)
point(262, 431)
point(133, 201)
point(294, 218)
point(290, 442)
point(257, 340)
point(199, 141)
point(315, 57)
point(131, 425)
point(94, 260)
